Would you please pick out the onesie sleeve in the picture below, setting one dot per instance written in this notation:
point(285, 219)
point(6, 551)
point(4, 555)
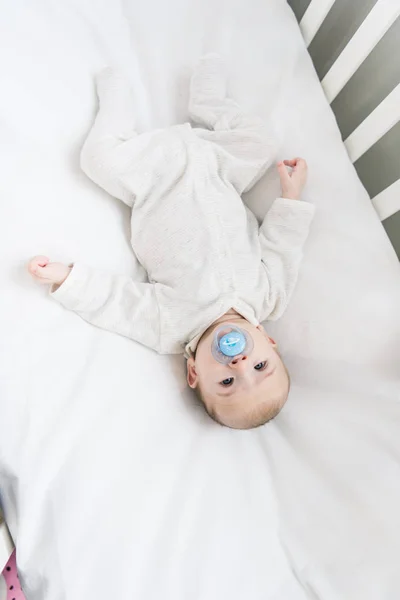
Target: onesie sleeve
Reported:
point(116, 303)
point(282, 236)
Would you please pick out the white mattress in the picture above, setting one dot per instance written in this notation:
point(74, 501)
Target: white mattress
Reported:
point(114, 482)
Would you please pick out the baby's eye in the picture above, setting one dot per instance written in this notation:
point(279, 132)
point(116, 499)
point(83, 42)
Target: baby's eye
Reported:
point(227, 381)
point(261, 366)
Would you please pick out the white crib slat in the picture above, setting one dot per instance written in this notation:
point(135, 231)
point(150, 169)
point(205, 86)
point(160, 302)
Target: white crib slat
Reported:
point(313, 18)
point(378, 21)
point(387, 203)
point(385, 115)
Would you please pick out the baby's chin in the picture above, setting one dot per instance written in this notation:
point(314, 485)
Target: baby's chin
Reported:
point(229, 318)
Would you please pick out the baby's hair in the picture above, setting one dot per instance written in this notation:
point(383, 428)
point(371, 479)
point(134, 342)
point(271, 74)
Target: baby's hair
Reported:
point(262, 414)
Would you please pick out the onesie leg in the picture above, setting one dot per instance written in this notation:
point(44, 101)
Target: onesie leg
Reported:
point(113, 126)
point(246, 140)
point(208, 91)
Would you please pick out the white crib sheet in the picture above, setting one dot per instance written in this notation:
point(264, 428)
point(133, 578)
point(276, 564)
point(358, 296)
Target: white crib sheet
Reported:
point(114, 482)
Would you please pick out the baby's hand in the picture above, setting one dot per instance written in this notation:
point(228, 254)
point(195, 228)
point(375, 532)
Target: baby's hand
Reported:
point(45, 271)
point(292, 182)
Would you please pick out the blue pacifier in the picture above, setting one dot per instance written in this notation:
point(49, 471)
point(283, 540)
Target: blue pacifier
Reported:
point(230, 341)
point(232, 344)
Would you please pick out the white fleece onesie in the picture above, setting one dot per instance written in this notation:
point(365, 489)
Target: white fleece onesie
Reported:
point(203, 250)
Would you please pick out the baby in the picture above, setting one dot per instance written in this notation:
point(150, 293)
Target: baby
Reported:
point(214, 274)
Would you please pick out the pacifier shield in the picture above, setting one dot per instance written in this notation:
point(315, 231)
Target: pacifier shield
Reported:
point(232, 343)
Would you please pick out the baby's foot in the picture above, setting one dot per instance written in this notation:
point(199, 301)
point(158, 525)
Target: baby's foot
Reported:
point(110, 84)
point(116, 98)
point(209, 80)
point(44, 271)
point(116, 95)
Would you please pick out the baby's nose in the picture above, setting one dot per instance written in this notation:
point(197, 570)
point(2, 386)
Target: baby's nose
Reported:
point(239, 362)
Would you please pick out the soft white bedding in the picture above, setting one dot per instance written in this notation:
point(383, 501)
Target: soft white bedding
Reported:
point(114, 482)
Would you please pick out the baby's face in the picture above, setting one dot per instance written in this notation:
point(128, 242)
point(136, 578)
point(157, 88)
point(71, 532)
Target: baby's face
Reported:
point(235, 392)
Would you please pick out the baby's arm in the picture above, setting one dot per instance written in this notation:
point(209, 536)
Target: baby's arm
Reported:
point(283, 234)
point(116, 303)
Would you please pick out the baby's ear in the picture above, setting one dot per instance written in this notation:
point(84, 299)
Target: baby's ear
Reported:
point(272, 341)
point(192, 377)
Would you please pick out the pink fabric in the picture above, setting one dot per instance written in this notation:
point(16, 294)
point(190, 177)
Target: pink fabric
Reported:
point(10, 574)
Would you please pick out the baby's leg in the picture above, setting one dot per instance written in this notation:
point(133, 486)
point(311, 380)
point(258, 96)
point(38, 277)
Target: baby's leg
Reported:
point(247, 140)
point(114, 125)
point(208, 102)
